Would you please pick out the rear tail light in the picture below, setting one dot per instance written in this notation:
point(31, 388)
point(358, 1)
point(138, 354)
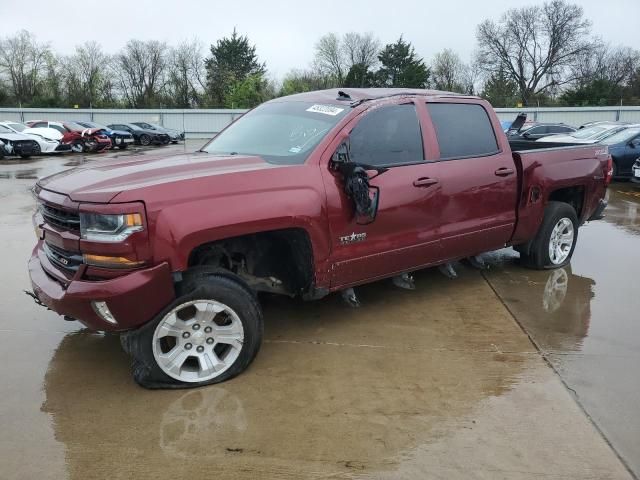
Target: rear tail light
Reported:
point(608, 171)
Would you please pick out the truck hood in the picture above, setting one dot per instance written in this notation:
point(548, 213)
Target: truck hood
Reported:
point(101, 181)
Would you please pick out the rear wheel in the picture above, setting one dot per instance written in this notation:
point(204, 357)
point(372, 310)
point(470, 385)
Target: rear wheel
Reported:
point(556, 239)
point(209, 334)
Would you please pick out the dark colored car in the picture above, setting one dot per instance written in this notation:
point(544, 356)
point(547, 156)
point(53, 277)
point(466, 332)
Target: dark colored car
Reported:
point(535, 131)
point(303, 196)
point(119, 138)
point(175, 135)
point(142, 136)
point(624, 148)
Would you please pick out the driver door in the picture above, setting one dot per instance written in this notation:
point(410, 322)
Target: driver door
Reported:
point(403, 235)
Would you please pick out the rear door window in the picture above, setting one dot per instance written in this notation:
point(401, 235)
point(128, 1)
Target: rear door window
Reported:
point(388, 136)
point(463, 130)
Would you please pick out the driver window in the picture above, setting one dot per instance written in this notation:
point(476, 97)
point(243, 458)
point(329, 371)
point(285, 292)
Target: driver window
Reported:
point(387, 136)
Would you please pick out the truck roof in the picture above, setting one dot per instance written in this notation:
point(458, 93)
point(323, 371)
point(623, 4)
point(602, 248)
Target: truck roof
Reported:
point(342, 96)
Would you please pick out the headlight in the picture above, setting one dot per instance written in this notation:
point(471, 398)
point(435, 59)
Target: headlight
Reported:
point(109, 228)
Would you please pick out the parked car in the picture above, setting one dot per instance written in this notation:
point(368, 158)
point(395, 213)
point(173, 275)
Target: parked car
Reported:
point(119, 138)
point(79, 137)
point(535, 131)
point(302, 196)
point(624, 148)
point(48, 140)
point(587, 135)
point(175, 135)
point(142, 136)
point(635, 178)
point(17, 143)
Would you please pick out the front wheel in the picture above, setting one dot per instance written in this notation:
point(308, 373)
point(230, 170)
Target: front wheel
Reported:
point(123, 146)
point(77, 146)
point(207, 335)
point(556, 239)
point(145, 140)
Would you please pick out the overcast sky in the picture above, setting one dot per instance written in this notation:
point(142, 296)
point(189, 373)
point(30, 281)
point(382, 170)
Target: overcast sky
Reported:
point(285, 31)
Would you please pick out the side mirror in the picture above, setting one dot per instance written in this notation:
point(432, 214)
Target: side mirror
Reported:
point(341, 155)
point(369, 215)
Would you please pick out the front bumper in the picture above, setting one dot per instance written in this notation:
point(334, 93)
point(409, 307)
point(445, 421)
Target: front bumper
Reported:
point(134, 299)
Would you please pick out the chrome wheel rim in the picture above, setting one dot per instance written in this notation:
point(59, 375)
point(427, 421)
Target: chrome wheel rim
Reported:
point(555, 290)
point(561, 241)
point(77, 148)
point(198, 340)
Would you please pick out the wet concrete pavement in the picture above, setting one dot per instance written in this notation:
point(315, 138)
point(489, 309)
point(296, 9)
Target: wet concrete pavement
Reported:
point(437, 383)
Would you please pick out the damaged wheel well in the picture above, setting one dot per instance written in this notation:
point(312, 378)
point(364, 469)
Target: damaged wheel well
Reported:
point(279, 261)
point(574, 196)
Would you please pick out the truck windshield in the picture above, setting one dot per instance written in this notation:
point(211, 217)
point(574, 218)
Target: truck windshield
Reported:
point(279, 132)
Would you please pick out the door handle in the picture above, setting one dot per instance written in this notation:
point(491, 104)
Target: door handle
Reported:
point(424, 182)
point(504, 172)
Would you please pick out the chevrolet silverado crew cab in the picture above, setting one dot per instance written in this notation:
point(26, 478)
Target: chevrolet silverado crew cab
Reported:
point(303, 196)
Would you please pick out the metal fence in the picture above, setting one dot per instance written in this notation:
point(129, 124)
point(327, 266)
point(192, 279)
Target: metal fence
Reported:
point(206, 122)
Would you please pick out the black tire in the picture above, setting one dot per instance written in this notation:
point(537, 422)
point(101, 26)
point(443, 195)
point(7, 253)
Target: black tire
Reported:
point(37, 150)
point(199, 286)
point(615, 170)
point(145, 140)
point(24, 156)
point(77, 146)
point(123, 146)
point(538, 252)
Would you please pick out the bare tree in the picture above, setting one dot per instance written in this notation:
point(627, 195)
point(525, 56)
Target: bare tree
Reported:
point(141, 68)
point(22, 60)
point(329, 57)
point(185, 79)
point(448, 71)
point(535, 46)
point(613, 65)
point(86, 74)
point(360, 49)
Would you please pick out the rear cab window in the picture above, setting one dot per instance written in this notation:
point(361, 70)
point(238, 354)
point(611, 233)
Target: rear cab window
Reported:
point(463, 130)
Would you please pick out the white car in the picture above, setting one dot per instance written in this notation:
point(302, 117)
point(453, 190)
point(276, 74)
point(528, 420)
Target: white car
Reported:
point(17, 143)
point(48, 139)
point(592, 134)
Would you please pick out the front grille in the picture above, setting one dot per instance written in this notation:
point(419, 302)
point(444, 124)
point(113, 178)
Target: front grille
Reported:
point(24, 146)
point(63, 258)
point(60, 218)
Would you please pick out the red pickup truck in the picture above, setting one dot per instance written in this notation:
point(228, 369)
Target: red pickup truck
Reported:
point(304, 195)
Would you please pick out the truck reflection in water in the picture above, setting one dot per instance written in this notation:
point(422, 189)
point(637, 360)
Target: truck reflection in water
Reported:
point(553, 306)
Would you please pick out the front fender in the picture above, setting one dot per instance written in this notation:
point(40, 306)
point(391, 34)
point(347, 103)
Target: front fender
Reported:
point(180, 228)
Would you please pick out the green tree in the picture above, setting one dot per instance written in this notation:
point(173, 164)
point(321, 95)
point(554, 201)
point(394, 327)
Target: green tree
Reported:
point(401, 67)
point(298, 81)
point(501, 90)
point(359, 76)
point(248, 93)
point(233, 59)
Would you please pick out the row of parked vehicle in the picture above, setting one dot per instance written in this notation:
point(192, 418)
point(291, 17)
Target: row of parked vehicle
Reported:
point(622, 140)
point(37, 137)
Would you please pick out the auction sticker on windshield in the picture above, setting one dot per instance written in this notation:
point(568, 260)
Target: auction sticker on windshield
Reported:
point(326, 109)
